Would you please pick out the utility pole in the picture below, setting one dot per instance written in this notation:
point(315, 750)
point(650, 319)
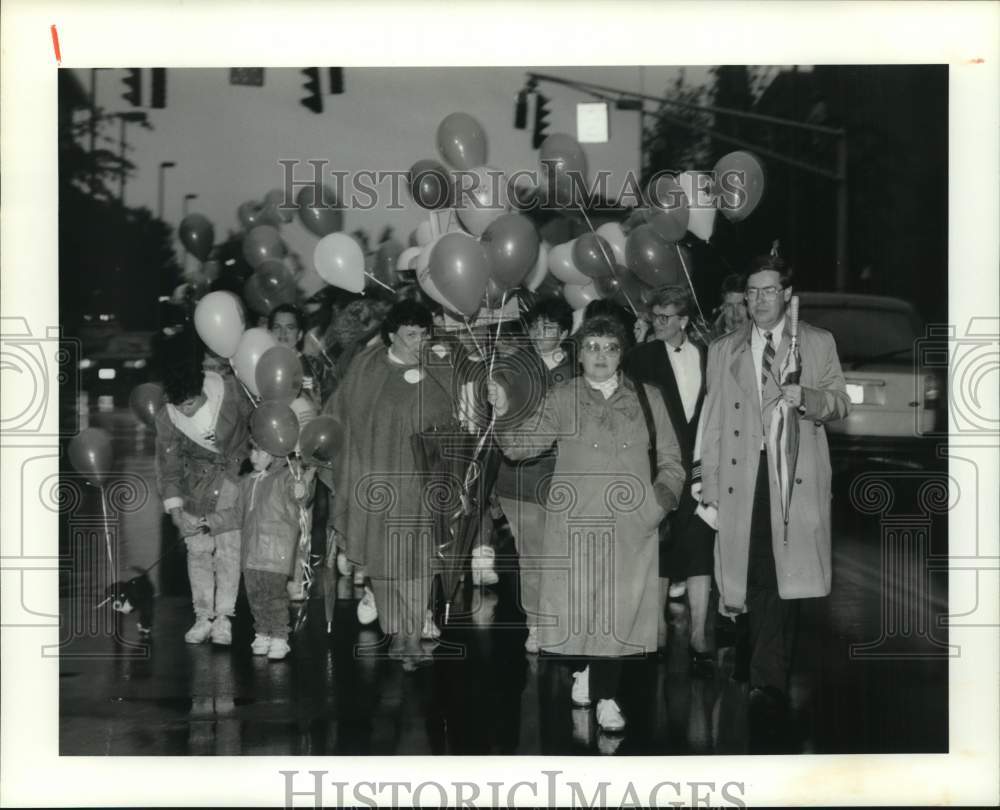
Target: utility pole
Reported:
point(125, 118)
point(93, 131)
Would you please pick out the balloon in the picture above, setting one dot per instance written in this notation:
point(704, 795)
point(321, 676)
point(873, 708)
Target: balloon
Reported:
point(701, 204)
point(321, 440)
point(561, 265)
point(262, 243)
point(275, 428)
point(211, 271)
point(339, 261)
point(275, 277)
point(460, 268)
point(252, 346)
point(90, 454)
point(480, 198)
point(541, 269)
point(197, 235)
point(425, 235)
point(653, 260)
point(739, 184)
point(631, 292)
point(321, 216)
point(668, 208)
point(461, 141)
point(249, 213)
point(218, 320)
point(386, 256)
point(256, 299)
point(145, 400)
point(606, 286)
point(512, 247)
point(279, 374)
point(273, 212)
point(614, 235)
point(564, 165)
point(593, 256)
point(579, 295)
point(430, 185)
point(408, 259)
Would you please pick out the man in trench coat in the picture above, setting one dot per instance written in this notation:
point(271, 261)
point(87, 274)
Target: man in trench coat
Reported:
point(756, 569)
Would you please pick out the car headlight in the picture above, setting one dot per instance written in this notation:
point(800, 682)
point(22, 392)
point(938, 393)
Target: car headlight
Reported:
point(86, 363)
point(141, 363)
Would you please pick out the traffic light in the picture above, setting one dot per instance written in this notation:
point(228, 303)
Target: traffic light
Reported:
point(336, 81)
point(159, 88)
point(314, 101)
point(521, 110)
point(133, 81)
point(541, 120)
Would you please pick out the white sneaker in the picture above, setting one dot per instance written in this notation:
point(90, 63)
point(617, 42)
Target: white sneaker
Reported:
point(677, 590)
point(359, 576)
point(199, 632)
point(609, 716)
point(278, 649)
point(261, 644)
point(482, 566)
point(367, 611)
point(222, 631)
point(430, 629)
point(580, 693)
point(531, 642)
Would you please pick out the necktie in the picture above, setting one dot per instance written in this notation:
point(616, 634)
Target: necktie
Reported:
point(765, 367)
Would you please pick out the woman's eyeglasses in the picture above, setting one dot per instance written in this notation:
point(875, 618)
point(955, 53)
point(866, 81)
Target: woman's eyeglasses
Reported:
point(593, 347)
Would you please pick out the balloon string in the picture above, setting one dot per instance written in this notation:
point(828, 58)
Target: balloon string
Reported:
point(381, 284)
point(694, 295)
point(243, 386)
point(607, 258)
point(107, 535)
point(322, 350)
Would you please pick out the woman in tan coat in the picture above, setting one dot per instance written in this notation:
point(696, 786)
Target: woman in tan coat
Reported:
point(618, 472)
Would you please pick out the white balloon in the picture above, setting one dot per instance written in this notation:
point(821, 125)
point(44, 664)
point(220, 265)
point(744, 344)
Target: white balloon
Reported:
point(613, 233)
point(340, 261)
point(253, 344)
point(481, 200)
point(561, 265)
point(408, 259)
point(701, 205)
point(540, 270)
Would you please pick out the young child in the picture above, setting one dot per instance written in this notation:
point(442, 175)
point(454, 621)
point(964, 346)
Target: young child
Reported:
point(267, 508)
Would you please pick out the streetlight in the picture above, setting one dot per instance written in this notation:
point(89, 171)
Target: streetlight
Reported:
point(184, 207)
point(126, 118)
point(167, 164)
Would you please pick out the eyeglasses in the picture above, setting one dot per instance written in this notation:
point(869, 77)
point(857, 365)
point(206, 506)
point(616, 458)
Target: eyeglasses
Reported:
point(662, 319)
point(593, 347)
point(765, 293)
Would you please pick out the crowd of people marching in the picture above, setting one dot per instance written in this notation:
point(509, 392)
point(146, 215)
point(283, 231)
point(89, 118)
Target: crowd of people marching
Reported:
point(633, 460)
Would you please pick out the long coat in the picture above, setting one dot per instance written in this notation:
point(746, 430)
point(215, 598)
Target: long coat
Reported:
point(599, 575)
point(731, 443)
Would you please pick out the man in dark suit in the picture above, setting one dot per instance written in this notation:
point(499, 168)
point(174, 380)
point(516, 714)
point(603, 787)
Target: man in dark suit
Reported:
point(676, 366)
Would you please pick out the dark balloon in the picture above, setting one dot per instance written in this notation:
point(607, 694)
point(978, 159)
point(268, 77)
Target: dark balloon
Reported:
point(275, 428)
point(262, 243)
point(593, 256)
point(321, 440)
point(249, 213)
point(321, 216)
point(511, 244)
point(197, 235)
point(430, 185)
point(460, 270)
point(279, 375)
point(386, 259)
point(461, 141)
point(145, 400)
point(564, 166)
point(90, 454)
point(652, 259)
point(739, 184)
point(668, 212)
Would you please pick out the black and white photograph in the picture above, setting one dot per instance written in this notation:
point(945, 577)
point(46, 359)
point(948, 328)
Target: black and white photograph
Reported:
point(575, 425)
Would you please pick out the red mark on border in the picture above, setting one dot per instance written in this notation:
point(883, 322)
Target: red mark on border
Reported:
point(977, 61)
point(55, 45)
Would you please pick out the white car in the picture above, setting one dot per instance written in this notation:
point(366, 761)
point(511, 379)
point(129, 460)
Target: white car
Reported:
point(898, 406)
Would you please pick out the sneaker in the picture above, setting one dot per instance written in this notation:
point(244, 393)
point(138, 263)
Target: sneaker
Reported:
point(199, 632)
point(367, 611)
point(677, 589)
point(261, 644)
point(359, 576)
point(531, 642)
point(580, 693)
point(482, 566)
point(430, 630)
point(222, 631)
point(344, 566)
point(609, 716)
point(278, 649)
point(607, 744)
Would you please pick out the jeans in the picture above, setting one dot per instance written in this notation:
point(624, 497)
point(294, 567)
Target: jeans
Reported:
point(268, 597)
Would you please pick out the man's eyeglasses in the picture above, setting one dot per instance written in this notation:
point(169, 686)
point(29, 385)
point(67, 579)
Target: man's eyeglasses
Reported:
point(662, 319)
point(764, 293)
point(593, 347)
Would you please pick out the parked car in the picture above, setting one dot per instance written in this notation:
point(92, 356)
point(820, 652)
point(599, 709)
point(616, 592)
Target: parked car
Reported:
point(118, 367)
point(898, 407)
